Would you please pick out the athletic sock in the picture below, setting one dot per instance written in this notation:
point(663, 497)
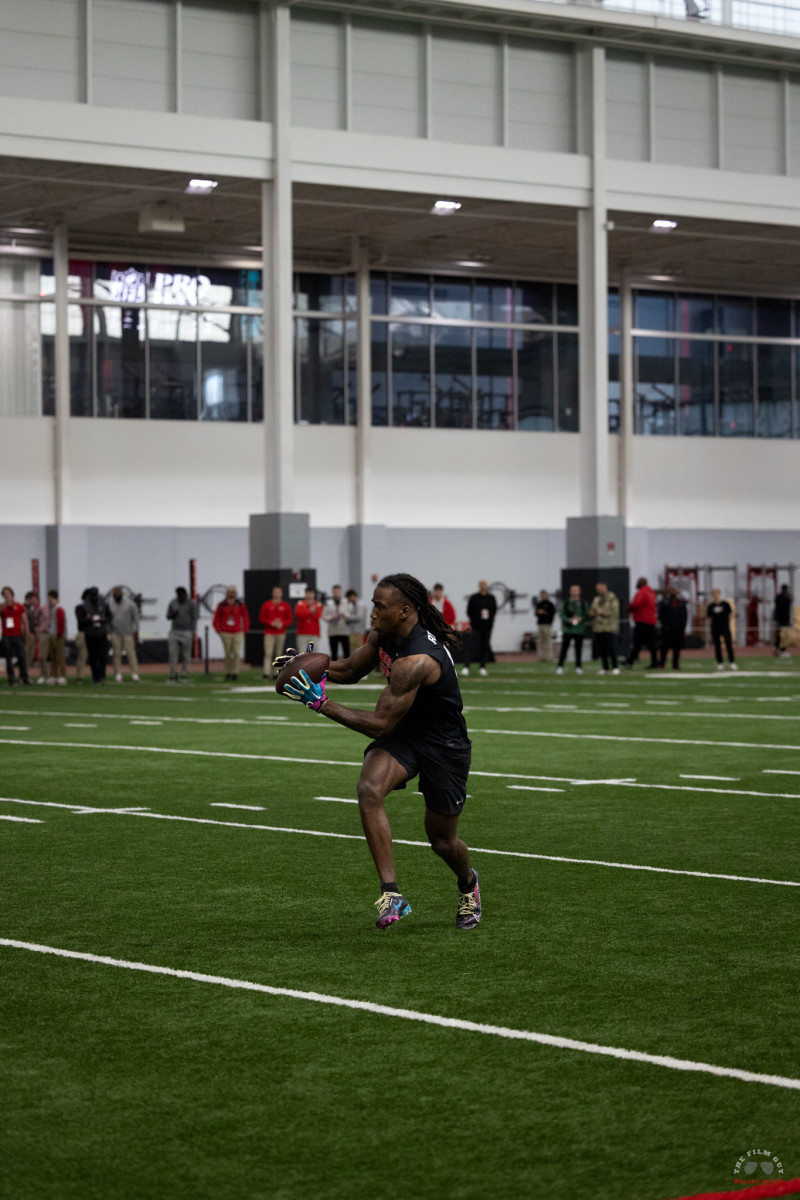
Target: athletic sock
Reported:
point(389, 887)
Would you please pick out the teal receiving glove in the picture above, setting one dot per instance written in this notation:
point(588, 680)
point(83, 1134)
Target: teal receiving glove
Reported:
point(311, 694)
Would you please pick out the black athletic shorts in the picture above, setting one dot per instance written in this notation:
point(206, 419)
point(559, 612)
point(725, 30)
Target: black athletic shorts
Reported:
point(442, 770)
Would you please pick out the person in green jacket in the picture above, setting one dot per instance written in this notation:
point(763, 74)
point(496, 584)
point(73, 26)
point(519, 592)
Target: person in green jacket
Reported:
point(604, 615)
point(574, 613)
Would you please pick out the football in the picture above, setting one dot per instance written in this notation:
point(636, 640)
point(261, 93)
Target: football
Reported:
point(314, 664)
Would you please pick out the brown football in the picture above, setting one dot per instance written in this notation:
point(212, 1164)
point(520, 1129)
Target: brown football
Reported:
point(314, 664)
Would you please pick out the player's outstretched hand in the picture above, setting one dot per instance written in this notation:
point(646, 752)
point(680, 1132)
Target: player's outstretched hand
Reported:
point(311, 694)
point(280, 662)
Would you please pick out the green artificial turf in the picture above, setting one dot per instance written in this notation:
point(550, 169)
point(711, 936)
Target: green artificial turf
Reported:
point(118, 1083)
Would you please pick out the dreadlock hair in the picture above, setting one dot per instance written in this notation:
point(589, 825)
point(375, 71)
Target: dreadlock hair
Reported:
point(429, 617)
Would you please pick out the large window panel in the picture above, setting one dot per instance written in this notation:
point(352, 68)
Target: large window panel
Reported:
point(48, 330)
point(736, 410)
point(324, 293)
point(694, 313)
point(774, 365)
point(536, 373)
point(223, 367)
point(654, 385)
point(494, 300)
point(321, 387)
point(568, 404)
point(452, 348)
point(494, 350)
point(452, 299)
point(173, 364)
point(120, 362)
point(654, 310)
point(735, 315)
point(614, 393)
point(411, 375)
point(534, 304)
point(379, 384)
point(410, 296)
point(773, 317)
point(256, 368)
point(696, 389)
point(566, 304)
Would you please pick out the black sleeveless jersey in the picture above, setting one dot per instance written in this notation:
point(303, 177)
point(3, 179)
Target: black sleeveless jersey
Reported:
point(435, 715)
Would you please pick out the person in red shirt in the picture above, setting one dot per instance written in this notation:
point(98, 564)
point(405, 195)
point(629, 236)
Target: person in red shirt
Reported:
point(642, 609)
point(307, 613)
point(231, 621)
point(276, 617)
point(15, 630)
point(440, 601)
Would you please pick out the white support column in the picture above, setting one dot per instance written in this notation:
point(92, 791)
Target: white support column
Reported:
point(597, 495)
point(364, 388)
point(277, 282)
point(626, 409)
point(61, 425)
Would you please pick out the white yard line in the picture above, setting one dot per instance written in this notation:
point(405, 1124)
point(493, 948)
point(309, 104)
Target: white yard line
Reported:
point(525, 787)
point(136, 718)
point(338, 799)
point(775, 771)
point(409, 1014)
point(15, 728)
point(27, 820)
point(717, 778)
point(355, 837)
point(249, 807)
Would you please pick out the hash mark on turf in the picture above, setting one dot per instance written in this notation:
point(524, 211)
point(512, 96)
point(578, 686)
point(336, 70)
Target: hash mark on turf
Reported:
point(27, 820)
point(410, 1014)
point(718, 778)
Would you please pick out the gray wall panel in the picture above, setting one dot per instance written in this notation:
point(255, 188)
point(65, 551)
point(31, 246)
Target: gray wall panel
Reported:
point(627, 107)
point(541, 97)
point(220, 62)
point(466, 83)
point(685, 115)
point(40, 49)
point(752, 122)
point(318, 86)
point(388, 79)
point(132, 55)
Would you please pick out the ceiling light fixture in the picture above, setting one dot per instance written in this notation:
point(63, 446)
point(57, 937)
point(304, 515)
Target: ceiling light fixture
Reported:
point(201, 187)
point(471, 262)
point(663, 225)
point(446, 208)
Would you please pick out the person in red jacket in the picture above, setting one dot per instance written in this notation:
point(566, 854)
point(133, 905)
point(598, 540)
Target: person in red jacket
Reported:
point(276, 617)
point(642, 609)
point(307, 613)
point(440, 601)
point(231, 622)
point(14, 630)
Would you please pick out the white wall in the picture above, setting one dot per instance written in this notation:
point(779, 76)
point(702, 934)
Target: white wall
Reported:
point(714, 483)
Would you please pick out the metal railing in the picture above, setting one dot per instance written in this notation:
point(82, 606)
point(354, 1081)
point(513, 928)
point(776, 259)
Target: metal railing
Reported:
point(756, 16)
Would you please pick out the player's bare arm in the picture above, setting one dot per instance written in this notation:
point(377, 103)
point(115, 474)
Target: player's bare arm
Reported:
point(360, 663)
point(408, 676)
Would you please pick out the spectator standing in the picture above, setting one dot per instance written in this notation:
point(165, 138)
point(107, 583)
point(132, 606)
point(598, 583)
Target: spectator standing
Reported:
point(124, 632)
point(672, 615)
point(307, 613)
point(604, 615)
point(231, 621)
point(574, 612)
point(443, 603)
point(642, 609)
point(782, 615)
point(275, 617)
point(56, 632)
point(43, 642)
point(182, 613)
point(356, 620)
point(545, 612)
point(335, 612)
point(481, 611)
point(719, 614)
point(15, 631)
point(82, 654)
point(94, 621)
point(31, 638)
